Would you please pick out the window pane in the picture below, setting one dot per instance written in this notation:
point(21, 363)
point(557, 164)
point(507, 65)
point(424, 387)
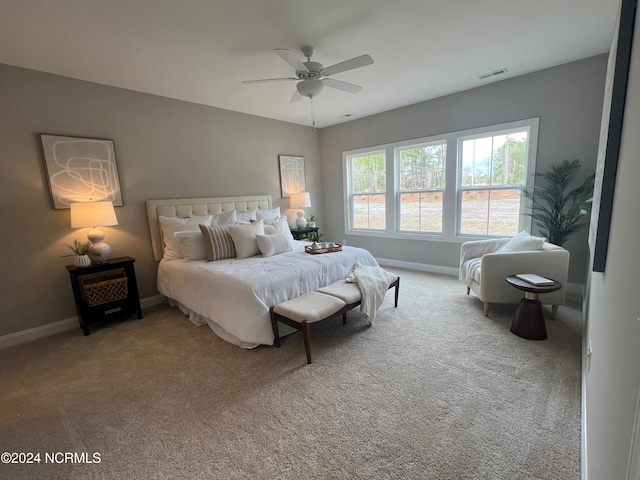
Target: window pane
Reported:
point(476, 161)
point(368, 173)
point(422, 167)
point(490, 212)
point(421, 212)
point(509, 153)
point(369, 212)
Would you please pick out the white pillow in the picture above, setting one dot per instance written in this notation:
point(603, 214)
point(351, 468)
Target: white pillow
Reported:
point(171, 225)
point(192, 245)
point(225, 218)
point(244, 238)
point(278, 225)
point(246, 217)
point(274, 244)
point(523, 242)
point(268, 214)
point(218, 243)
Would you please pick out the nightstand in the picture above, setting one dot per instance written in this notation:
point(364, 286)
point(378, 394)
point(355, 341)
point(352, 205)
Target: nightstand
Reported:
point(300, 233)
point(104, 290)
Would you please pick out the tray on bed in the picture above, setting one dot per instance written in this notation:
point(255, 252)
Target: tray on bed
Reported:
point(315, 251)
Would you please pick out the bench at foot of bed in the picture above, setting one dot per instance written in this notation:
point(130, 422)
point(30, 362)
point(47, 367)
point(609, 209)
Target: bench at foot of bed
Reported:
point(313, 307)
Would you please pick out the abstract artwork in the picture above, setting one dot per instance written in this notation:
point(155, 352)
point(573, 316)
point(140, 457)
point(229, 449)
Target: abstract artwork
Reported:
point(81, 170)
point(291, 174)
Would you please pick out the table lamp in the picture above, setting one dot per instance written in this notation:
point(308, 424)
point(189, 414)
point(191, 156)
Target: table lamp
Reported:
point(300, 200)
point(95, 214)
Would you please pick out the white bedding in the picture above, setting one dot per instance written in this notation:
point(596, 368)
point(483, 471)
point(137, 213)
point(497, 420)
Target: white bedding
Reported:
point(234, 296)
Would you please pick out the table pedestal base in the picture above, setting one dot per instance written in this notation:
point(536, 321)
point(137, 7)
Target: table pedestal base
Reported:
point(529, 320)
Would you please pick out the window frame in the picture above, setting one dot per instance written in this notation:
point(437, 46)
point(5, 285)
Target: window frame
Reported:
point(452, 192)
point(399, 191)
point(351, 219)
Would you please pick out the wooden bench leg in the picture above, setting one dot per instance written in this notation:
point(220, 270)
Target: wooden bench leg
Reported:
point(307, 339)
point(274, 326)
point(554, 312)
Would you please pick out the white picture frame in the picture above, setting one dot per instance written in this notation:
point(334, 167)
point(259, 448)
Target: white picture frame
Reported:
point(292, 175)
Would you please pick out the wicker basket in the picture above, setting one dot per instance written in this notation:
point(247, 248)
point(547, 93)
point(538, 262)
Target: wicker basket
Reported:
point(99, 290)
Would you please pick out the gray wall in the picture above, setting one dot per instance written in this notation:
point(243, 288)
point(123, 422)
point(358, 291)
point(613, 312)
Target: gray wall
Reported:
point(611, 375)
point(165, 148)
point(568, 100)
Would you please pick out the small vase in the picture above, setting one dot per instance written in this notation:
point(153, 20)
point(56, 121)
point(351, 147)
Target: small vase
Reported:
point(82, 261)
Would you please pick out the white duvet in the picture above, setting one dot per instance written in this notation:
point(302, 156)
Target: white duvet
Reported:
point(234, 296)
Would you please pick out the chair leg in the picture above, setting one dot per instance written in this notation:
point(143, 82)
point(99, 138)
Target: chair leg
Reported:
point(274, 326)
point(554, 312)
point(468, 290)
point(397, 292)
point(307, 339)
point(344, 318)
point(486, 309)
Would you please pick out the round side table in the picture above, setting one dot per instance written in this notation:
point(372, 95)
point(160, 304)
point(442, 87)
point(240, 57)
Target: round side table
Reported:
point(529, 320)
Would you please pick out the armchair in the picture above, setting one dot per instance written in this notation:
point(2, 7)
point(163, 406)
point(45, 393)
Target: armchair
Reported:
point(484, 268)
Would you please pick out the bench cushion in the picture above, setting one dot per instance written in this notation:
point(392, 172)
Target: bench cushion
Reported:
point(346, 291)
point(312, 306)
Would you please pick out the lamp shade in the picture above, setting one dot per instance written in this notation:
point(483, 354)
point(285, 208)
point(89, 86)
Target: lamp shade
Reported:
point(300, 200)
point(93, 214)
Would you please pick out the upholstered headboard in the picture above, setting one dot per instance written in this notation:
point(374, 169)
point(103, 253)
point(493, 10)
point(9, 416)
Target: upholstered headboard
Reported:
point(187, 207)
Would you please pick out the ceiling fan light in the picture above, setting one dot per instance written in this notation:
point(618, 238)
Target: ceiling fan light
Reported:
point(310, 87)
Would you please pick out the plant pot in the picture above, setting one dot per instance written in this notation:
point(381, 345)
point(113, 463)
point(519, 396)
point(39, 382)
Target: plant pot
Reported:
point(82, 261)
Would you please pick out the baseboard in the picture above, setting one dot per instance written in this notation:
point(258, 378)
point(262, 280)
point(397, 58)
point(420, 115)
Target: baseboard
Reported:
point(424, 267)
point(572, 288)
point(61, 326)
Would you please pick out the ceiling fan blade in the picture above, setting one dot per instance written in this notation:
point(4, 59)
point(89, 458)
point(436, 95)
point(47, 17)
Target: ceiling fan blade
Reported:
point(267, 80)
point(296, 97)
point(357, 62)
point(291, 59)
point(344, 86)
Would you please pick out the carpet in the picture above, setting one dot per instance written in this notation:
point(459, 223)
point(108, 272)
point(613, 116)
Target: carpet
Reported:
point(433, 390)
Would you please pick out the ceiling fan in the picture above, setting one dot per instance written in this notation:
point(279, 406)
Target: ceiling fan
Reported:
point(312, 77)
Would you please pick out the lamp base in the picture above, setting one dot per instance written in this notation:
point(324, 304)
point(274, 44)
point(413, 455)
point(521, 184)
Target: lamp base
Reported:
point(301, 222)
point(100, 252)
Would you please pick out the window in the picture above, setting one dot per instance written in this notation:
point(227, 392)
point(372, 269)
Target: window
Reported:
point(368, 188)
point(448, 187)
point(421, 172)
point(492, 170)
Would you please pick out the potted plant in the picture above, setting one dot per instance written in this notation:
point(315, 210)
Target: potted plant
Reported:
point(312, 221)
point(81, 252)
point(558, 208)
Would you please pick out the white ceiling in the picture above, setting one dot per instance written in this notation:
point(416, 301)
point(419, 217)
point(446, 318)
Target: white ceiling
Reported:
point(200, 50)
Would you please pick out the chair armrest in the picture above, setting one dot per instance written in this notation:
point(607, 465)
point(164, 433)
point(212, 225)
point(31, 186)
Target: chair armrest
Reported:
point(547, 263)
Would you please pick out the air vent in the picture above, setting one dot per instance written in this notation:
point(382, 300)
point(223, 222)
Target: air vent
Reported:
point(492, 74)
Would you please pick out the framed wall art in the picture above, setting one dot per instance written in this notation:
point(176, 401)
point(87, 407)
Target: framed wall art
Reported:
point(611, 134)
point(81, 170)
point(291, 174)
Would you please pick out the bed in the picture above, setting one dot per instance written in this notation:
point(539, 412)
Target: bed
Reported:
point(233, 296)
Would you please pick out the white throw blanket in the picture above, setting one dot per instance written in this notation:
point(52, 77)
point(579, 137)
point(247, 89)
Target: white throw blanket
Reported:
point(474, 250)
point(373, 283)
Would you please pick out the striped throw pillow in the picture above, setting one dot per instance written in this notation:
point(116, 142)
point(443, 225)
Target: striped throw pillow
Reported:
point(218, 242)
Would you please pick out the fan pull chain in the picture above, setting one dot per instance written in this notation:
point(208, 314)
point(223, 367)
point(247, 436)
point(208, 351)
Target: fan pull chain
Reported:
point(313, 115)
